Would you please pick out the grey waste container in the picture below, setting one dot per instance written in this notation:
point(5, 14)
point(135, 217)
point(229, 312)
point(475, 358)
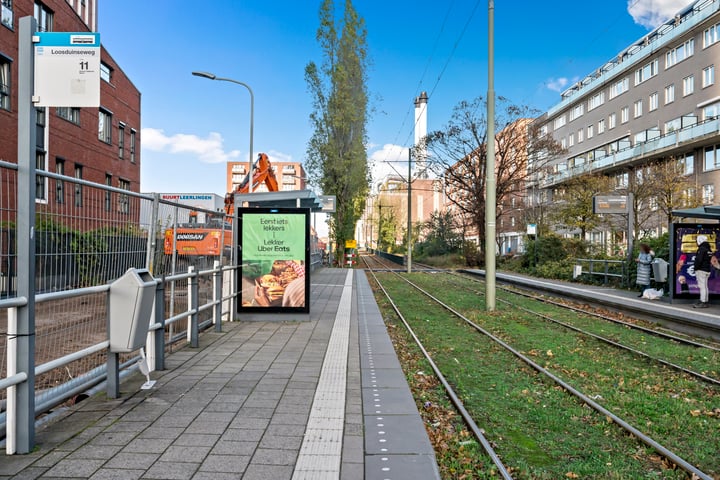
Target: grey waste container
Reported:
point(131, 302)
point(660, 270)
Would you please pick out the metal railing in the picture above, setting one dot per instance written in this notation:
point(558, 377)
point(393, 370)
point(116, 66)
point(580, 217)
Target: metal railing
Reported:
point(86, 235)
point(602, 267)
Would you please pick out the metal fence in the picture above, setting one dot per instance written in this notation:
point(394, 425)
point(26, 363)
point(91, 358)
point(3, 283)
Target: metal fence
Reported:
point(87, 235)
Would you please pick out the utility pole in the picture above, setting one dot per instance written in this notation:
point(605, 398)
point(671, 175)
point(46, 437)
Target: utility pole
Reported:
point(490, 192)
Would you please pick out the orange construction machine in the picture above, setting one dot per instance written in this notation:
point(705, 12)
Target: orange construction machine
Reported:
point(262, 173)
point(214, 237)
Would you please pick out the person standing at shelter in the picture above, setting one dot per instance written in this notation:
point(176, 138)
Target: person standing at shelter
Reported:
point(644, 262)
point(703, 265)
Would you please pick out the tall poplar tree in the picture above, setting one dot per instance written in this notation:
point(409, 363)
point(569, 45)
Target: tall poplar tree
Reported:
point(336, 152)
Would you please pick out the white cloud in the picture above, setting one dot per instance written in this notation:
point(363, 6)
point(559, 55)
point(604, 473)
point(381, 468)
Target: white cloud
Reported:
point(208, 150)
point(557, 84)
point(384, 159)
point(652, 13)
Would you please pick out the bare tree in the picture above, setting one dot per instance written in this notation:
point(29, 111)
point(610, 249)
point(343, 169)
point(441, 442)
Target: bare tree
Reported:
point(458, 152)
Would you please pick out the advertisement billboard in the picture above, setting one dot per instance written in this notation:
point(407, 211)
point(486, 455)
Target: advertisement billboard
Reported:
point(274, 252)
point(682, 263)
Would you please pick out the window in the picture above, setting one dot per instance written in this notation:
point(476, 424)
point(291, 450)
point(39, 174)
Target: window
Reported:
point(619, 87)
point(646, 72)
point(679, 53)
point(4, 83)
point(708, 194)
point(596, 100)
point(571, 140)
point(612, 120)
point(708, 76)
point(711, 35)
point(71, 114)
point(563, 143)
point(132, 145)
point(40, 180)
point(576, 112)
point(621, 180)
point(105, 126)
point(601, 126)
point(653, 102)
point(590, 131)
point(580, 136)
point(637, 109)
point(624, 114)
point(108, 193)
point(669, 94)
point(121, 141)
point(7, 13)
point(687, 164)
point(105, 72)
point(688, 197)
point(688, 85)
point(78, 186)
point(559, 122)
point(712, 159)
point(44, 17)
point(123, 199)
point(59, 184)
point(711, 111)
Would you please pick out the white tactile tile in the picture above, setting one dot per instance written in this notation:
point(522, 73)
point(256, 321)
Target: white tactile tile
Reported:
point(321, 450)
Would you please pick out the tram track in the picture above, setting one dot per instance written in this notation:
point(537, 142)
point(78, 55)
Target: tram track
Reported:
point(667, 453)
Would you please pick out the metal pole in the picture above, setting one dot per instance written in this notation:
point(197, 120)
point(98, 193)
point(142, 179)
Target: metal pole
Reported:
point(490, 196)
point(409, 218)
point(212, 76)
point(26, 136)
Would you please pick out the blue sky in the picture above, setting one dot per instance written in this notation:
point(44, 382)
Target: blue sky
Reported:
point(191, 126)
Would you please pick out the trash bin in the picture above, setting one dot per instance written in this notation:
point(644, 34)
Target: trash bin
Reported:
point(660, 270)
point(130, 306)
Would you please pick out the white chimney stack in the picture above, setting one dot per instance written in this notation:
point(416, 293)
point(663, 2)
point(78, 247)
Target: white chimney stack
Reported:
point(420, 133)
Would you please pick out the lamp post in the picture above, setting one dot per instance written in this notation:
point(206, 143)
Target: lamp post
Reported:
point(212, 76)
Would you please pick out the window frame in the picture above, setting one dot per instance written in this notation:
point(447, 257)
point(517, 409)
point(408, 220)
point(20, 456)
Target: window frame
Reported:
point(105, 126)
point(688, 85)
point(5, 88)
point(708, 76)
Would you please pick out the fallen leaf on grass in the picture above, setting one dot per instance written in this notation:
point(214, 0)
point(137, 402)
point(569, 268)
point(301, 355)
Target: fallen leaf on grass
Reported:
point(572, 475)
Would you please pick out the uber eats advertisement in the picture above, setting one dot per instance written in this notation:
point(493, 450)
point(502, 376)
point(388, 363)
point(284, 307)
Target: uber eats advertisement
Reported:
point(274, 253)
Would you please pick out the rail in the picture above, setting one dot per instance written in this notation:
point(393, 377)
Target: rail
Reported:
point(46, 399)
point(600, 267)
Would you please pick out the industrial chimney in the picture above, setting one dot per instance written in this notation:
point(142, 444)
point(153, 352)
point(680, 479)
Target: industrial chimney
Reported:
point(420, 133)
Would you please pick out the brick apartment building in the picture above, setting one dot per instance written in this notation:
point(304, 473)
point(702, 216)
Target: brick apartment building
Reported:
point(100, 145)
point(656, 101)
point(290, 175)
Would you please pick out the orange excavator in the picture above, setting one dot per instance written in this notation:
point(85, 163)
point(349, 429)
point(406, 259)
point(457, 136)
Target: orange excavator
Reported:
point(213, 238)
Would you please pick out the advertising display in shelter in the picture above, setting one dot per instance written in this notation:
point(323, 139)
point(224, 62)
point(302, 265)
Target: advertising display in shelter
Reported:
point(682, 263)
point(275, 254)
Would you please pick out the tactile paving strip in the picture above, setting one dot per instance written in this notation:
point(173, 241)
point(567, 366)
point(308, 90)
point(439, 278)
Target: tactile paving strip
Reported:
point(321, 449)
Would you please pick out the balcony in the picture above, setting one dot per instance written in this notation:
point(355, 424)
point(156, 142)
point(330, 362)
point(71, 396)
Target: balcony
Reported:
point(653, 147)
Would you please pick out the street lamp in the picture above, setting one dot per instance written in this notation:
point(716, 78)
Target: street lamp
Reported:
point(212, 76)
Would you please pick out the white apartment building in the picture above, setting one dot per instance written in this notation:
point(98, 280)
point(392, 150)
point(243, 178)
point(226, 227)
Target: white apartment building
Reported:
point(658, 99)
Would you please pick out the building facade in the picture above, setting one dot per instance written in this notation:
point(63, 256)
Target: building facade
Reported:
point(290, 175)
point(100, 145)
point(658, 100)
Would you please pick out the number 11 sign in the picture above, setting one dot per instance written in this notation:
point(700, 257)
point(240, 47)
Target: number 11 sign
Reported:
point(67, 69)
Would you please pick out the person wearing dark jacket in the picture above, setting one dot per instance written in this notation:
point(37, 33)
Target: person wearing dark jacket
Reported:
point(703, 266)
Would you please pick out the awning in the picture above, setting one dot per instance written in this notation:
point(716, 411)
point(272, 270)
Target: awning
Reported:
point(708, 211)
point(284, 199)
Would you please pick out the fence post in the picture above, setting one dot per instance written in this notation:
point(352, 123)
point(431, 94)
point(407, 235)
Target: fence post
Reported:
point(605, 281)
point(159, 334)
point(152, 235)
point(193, 304)
point(217, 296)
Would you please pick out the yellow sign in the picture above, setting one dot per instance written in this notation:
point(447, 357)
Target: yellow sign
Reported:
point(350, 243)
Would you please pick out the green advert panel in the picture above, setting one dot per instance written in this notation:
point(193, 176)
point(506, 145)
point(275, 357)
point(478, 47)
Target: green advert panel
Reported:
point(274, 254)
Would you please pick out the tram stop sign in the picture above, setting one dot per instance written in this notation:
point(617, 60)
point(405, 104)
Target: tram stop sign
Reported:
point(67, 69)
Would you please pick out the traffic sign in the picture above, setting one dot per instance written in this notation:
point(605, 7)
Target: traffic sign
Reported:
point(67, 69)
